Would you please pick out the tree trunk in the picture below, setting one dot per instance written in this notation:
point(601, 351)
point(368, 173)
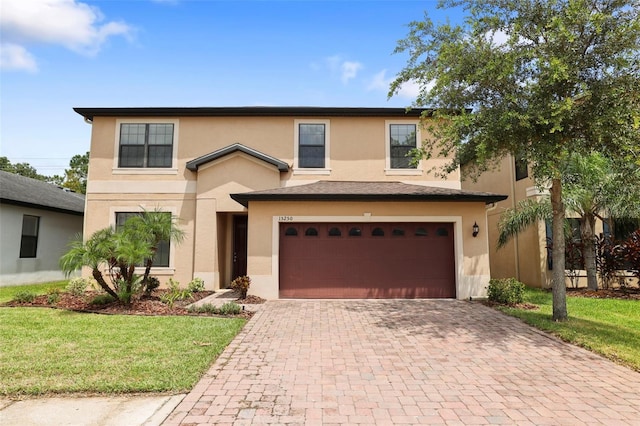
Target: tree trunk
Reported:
point(589, 253)
point(97, 275)
point(559, 288)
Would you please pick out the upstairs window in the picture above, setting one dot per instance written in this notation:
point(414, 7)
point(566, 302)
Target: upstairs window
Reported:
point(311, 145)
point(29, 239)
point(402, 139)
point(145, 145)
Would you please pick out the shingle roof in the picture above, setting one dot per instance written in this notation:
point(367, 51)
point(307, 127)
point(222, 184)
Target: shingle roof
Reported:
point(24, 191)
point(194, 164)
point(365, 191)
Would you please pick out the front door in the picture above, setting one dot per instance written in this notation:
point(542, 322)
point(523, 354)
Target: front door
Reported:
point(239, 246)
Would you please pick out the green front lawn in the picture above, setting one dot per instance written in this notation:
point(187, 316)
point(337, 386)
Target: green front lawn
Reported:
point(610, 327)
point(56, 351)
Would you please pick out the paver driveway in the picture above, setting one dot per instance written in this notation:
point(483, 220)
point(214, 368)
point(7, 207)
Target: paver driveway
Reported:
point(405, 362)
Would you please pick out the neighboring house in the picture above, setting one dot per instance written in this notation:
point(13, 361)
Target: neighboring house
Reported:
point(310, 202)
point(37, 221)
point(527, 256)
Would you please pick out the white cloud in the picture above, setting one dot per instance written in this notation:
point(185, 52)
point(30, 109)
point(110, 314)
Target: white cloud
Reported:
point(69, 23)
point(407, 90)
point(380, 82)
point(16, 58)
point(347, 70)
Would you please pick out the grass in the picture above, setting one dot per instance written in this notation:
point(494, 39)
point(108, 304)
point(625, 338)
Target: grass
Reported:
point(610, 327)
point(48, 351)
point(7, 293)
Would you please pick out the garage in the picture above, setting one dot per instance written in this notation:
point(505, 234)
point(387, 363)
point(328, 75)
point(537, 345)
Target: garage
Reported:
point(367, 260)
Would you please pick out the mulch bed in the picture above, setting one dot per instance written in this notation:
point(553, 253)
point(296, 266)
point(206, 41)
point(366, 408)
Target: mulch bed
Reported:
point(627, 293)
point(144, 305)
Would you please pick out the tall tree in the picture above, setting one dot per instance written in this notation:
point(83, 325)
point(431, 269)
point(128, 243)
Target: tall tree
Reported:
point(22, 169)
point(75, 177)
point(544, 78)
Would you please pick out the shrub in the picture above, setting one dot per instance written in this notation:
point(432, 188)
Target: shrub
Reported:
point(103, 299)
point(53, 297)
point(508, 291)
point(24, 297)
point(196, 285)
point(175, 293)
point(77, 286)
point(230, 308)
point(151, 284)
point(241, 284)
point(205, 308)
point(632, 253)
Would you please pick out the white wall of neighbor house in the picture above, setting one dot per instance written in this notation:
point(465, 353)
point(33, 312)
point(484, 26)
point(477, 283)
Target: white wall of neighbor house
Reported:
point(55, 231)
point(472, 258)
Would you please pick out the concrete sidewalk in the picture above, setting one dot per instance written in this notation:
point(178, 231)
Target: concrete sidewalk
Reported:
point(95, 411)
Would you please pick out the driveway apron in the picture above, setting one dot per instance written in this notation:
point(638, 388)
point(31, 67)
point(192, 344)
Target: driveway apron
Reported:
point(405, 362)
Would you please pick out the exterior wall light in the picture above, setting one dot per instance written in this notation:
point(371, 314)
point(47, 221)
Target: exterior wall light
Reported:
point(476, 229)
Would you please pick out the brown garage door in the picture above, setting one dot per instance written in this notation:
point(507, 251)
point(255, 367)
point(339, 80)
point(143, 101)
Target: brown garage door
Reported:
point(373, 260)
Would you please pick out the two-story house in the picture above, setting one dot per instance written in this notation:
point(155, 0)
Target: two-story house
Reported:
point(310, 202)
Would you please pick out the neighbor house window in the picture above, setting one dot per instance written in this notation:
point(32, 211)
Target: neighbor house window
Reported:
point(522, 171)
point(311, 145)
point(622, 228)
point(161, 258)
point(29, 240)
point(402, 139)
point(573, 256)
point(146, 145)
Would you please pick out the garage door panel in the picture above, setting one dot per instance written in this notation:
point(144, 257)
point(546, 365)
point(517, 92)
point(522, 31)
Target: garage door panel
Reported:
point(402, 260)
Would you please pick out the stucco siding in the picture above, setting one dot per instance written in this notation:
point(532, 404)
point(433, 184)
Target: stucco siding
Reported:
point(56, 230)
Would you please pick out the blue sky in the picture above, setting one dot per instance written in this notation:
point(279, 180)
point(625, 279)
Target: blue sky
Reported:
point(60, 54)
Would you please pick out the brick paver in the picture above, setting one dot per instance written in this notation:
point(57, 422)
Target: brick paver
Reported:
point(405, 362)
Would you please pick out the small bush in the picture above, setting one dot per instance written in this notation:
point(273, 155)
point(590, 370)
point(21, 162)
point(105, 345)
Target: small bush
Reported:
point(103, 299)
point(508, 291)
point(175, 293)
point(24, 297)
point(196, 285)
point(241, 284)
point(77, 286)
point(151, 284)
point(230, 308)
point(53, 297)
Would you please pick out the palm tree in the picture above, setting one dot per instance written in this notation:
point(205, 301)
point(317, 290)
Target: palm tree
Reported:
point(96, 252)
point(119, 251)
point(593, 185)
point(154, 227)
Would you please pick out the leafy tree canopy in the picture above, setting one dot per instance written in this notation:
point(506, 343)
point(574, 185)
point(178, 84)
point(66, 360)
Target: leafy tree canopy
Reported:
point(75, 177)
point(539, 79)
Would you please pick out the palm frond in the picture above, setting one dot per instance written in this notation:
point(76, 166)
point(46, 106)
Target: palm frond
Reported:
point(515, 220)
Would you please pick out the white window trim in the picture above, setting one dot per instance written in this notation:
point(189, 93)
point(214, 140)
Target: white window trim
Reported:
point(173, 170)
point(326, 170)
point(387, 146)
point(159, 270)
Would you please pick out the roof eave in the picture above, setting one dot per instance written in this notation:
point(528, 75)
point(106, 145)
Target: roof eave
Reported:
point(41, 207)
point(90, 113)
point(244, 199)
